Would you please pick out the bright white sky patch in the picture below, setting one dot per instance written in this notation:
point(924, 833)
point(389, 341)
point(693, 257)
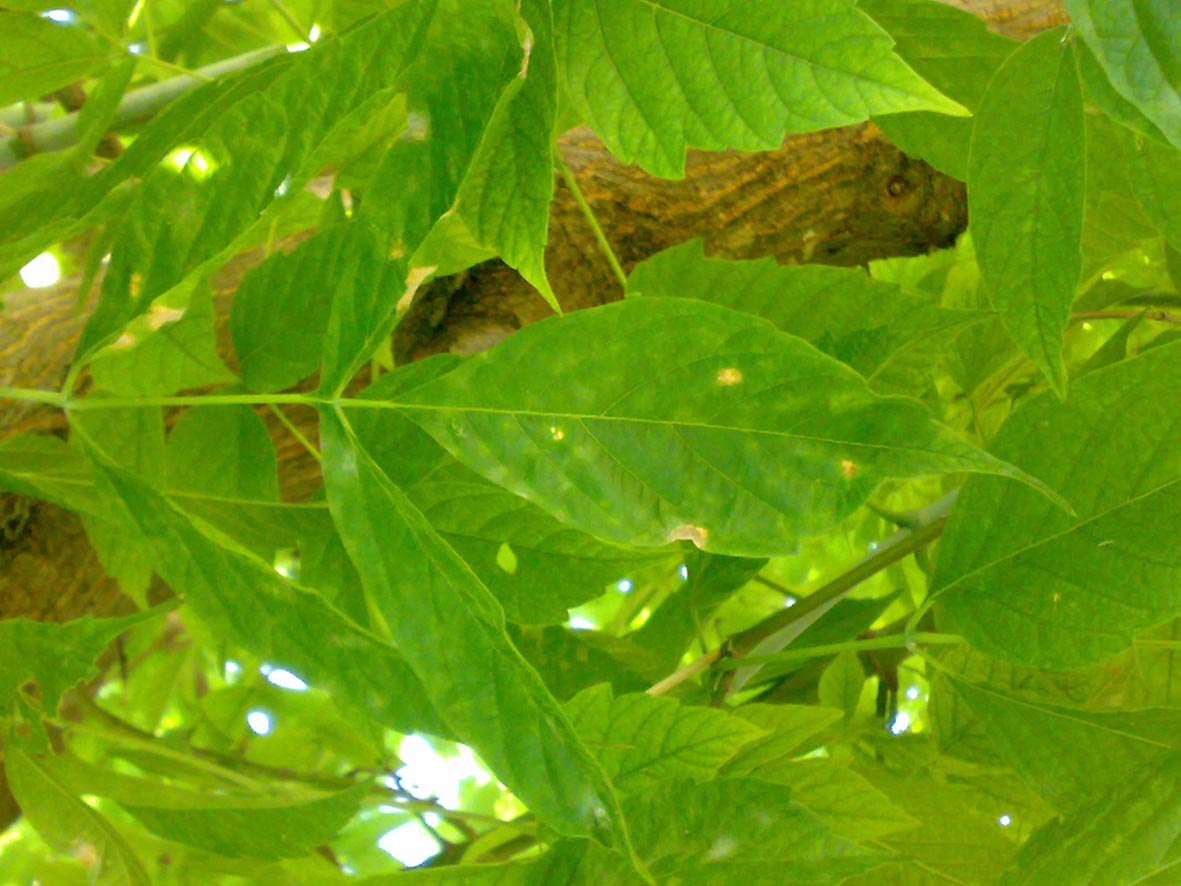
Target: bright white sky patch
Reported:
point(409, 843)
point(61, 16)
point(283, 679)
point(625, 585)
point(912, 693)
point(425, 773)
point(259, 722)
point(683, 572)
point(901, 723)
point(1005, 820)
point(578, 623)
point(41, 271)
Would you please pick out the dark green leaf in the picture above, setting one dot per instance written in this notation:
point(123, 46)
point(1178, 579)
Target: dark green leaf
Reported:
point(183, 224)
point(223, 451)
point(505, 195)
point(1033, 584)
point(424, 596)
point(1025, 195)
point(667, 419)
point(247, 603)
point(555, 567)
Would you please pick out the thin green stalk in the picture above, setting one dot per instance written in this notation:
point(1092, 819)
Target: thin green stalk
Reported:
point(589, 215)
point(32, 395)
point(776, 586)
point(295, 432)
point(894, 641)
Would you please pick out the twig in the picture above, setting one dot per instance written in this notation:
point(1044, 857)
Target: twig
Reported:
point(136, 107)
point(692, 669)
point(589, 214)
point(1158, 316)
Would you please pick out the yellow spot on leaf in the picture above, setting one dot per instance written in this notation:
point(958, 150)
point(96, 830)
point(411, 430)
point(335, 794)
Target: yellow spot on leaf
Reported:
point(413, 280)
point(506, 559)
point(162, 315)
point(729, 376)
point(557, 433)
point(688, 532)
point(849, 469)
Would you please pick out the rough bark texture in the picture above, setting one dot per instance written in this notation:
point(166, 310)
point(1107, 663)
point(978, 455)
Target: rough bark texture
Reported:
point(839, 197)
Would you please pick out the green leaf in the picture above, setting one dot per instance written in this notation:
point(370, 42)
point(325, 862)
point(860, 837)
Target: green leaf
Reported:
point(643, 740)
point(66, 823)
point(223, 451)
point(841, 684)
point(165, 350)
point(38, 56)
point(1124, 836)
point(505, 195)
point(477, 49)
point(710, 579)
point(1138, 44)
point(1025, 195)
point(48, 468)
point(557, 567)
point(72, 201)
point(425, 596)
point(1071, 754)
point(656, 78)
point(956, 53)
point(367, 292)
point(57, 656)
point(881, 331)
point(793, 729)
point(668, 419)
point(1153, 170)
point(245, 826)
point(950, 48)
point(281, 309)
point(732, 831)
point(1032, 584)
point(183, 224)
point(844, 800)
point(244, 601)
point(960, 840)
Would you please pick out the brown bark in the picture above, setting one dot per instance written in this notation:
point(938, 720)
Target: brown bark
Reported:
point(839, 197)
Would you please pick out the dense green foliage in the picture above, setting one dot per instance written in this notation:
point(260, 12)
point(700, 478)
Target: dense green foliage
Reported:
point(895, 551)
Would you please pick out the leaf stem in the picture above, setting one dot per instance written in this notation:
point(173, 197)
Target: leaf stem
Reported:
point(679, 676)
point(295, 432)
point(893, 641)
point(32, 395)
point(589, 215)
